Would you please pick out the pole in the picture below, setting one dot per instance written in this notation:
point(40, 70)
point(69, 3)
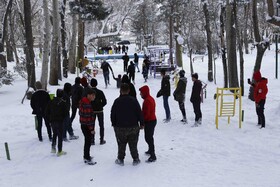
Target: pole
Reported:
point(276, 54)
point(7, 151)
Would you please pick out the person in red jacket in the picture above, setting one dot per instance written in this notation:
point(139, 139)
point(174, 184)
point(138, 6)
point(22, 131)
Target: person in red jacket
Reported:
point(87, 123)
point(150, 120)
point(260, 91)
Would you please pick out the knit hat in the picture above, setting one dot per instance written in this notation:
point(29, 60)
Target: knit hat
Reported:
point(195, 75)
point(257, 76)
point(84, 82)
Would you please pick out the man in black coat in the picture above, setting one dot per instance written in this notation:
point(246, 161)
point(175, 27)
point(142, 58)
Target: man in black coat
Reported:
point(196, 99)
point(126, 116)
point(76, 96)
point(39, 102)
point(56, 112)
point(105, 66)
point(125, 58)
point(165, 92)
point(97, 105)
point(179, 94)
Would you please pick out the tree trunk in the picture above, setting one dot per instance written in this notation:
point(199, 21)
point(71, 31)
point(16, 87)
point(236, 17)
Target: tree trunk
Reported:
point(245, 35)
point(223, 46)
point(171, 38)
point(54, 46)
point(4, 30)
point(81, 33)
point(241, 58)
point(13, 43)
point(209, 42)
point(191, 62)
point(231, 47)
point(46, 46)
point(72, 46)
point(63, 40)
point(30, 64)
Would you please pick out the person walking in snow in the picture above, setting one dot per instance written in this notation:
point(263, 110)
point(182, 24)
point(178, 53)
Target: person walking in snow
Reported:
point(150, 121)
point(105, 66)
point(87, 123)
point(136, 61)
point(126, 116)
point(76, 96)
point(118, 80)
point(131, 72)
point(260, 92)
point(165, 92)
point(196, 99)
point(39, 101)
point(179, 94)
point(67, 121)
point(97, 105)
point(125, 58)
point(56, 113)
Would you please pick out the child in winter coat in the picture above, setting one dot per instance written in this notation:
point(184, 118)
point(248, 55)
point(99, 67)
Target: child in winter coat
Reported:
point(56, 112)
point(118, 79)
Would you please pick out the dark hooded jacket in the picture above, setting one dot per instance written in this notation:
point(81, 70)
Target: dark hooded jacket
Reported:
point(132, 91)
point(149, 105)
point(179, 93)
point(196, 91)
point(260, 87)
point(39, 102)
point(165, 86)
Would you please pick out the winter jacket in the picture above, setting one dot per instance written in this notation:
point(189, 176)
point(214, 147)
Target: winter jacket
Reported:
point(196, 90)
point(126, 112)
point(76, 92)
point(165, 86)
point(56, 110)
point(136, 58)
point(125, 58)
point(105, 66)
point(39, 102)
point(149, 105)
point(179, 93)
point(86, 113)
point(99, 102)
point(131, 69)
point(132, 91)
point(260, 87)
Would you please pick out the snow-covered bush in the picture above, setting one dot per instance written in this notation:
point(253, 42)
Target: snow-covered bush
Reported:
point(6, 77)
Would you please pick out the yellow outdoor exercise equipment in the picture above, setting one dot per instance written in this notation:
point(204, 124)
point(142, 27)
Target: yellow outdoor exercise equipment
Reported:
point(226, 103)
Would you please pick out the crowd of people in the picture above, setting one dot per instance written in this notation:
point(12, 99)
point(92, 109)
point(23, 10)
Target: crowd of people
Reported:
point(127, 116)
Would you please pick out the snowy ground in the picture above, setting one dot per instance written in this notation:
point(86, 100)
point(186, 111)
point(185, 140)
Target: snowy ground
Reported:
point(203, 156)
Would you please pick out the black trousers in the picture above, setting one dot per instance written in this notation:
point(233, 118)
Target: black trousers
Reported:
point(149, 135)
point(182, 108)
point(57, 128)
point(39, 128)
point(260, 112)
point(87, 144)
point(74, 111)
point(100, 118)
point(197, 111)
point(125, 66)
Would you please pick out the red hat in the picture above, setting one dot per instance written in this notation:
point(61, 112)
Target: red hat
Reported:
point(257, 76)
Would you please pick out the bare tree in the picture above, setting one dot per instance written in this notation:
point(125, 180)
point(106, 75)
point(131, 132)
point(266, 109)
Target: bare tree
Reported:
point(30, 63)
point(54, 74)
point(72, 46)
point(46, 45)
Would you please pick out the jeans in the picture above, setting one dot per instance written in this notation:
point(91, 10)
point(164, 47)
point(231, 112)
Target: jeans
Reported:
point(182, 108)
point(106, 77)
point(197, 111)
point(73, 115)
point(166, 107)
